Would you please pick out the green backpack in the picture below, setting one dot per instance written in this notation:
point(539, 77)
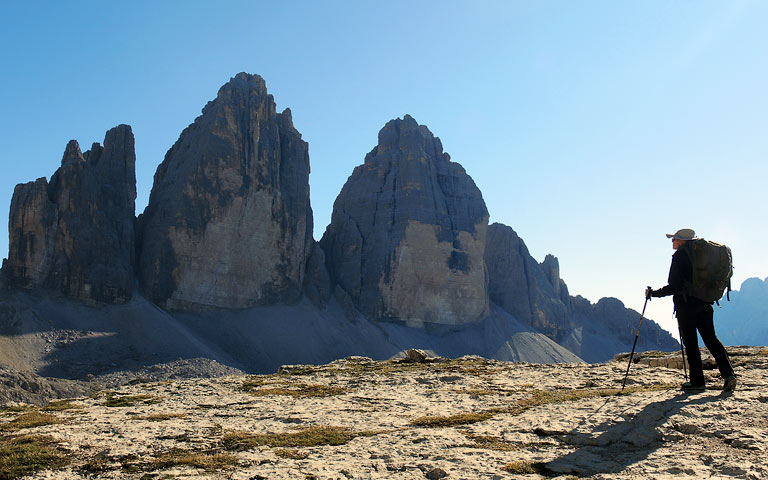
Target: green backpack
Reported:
point(712, 270)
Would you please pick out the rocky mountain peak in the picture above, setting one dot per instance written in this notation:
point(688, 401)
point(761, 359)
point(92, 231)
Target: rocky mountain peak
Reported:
point(76, 234)
point(72, 153)
point(229, 222)
point(405, 134)
point(407, 233)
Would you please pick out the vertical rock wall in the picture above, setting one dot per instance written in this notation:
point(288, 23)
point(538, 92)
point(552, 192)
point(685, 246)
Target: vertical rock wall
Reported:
point(76, 233)
point(229, 223)
point(532, 292)
point(407, 233)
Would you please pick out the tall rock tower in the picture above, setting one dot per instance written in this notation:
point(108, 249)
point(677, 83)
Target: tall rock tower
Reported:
point(407, 233)
point(229, 223)
point(76, 233)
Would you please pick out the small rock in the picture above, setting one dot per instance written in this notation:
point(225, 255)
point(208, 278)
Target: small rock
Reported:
point(417, 356)
point(436, 474)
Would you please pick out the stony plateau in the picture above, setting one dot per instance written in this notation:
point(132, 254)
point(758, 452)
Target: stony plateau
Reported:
point(356, 418)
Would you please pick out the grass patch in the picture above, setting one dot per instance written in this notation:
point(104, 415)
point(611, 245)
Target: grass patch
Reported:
point(182, 437)
point(524, 467)
point(452, 420)
point(160, 417)
point(30, 420)
point(300, 391)
point(520, 467)
point(465, 366)
point(61, 405)
point(307, 437)
point(488, 442)
point(546, 397)
point(535, 399)
point(96, 465)
point(291, 454)
point(23, 455)
point(297, 370)
point(189, 458)
point(116, 400)
point(255, 381)
point(17, 408)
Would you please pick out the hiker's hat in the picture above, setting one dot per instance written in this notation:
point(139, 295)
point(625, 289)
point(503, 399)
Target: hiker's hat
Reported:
point(683, 234)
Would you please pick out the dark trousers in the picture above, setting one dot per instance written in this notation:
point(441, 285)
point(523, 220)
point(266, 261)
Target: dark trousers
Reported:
point(696, 315)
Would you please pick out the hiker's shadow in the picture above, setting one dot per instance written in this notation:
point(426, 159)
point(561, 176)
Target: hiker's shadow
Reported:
point(612, 446)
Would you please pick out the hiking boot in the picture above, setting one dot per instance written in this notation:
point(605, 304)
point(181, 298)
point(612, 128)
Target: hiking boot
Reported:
point(688, 386)
point(730, 383)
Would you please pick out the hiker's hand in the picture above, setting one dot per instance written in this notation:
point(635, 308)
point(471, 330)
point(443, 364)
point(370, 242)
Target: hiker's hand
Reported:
point(648, 291)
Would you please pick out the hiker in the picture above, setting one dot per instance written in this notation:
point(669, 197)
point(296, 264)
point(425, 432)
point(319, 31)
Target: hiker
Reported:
point(693, 314)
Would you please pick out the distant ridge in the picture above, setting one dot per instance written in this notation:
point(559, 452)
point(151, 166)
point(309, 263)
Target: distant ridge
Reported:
point(744, 320)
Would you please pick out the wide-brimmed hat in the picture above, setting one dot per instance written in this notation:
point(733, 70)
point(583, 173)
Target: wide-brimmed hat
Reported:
point(683, 234)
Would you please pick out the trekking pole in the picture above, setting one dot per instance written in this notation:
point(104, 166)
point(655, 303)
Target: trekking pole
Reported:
point(682, 352)
point(634, 344)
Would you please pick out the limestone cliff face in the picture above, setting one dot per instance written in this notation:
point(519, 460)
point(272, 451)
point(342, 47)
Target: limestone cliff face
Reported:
point(407, 233)
point(229, 223)
point(532, 292)
point(76, 233)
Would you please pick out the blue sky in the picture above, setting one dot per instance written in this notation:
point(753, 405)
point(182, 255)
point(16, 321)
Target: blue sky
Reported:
point(591, 127)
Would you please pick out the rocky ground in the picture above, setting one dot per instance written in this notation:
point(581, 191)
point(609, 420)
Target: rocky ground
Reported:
point(467, 418)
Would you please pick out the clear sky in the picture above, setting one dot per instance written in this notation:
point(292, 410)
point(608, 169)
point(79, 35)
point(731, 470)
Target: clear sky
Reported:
point(592, 127)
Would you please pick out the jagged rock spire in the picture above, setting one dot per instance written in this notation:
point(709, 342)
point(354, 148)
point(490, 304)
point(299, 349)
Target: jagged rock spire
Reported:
point(407, 233)
point(229, 223)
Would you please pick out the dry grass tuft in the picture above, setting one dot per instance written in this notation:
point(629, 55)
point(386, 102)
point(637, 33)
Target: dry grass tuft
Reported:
point(30, 420)
point(452, 420)
point(255, 381)
point(297, 370)
point(96, 465)
point(160, 417)
point(116, 400)
point(536, 398)
point(468, 366)
point(300, 391)
point(10, 409)
point(520, 467)
point(20, 456)
point(190, 458)
point(267, 385)
point(291, 454)
point(488, 442)
point(307, 437)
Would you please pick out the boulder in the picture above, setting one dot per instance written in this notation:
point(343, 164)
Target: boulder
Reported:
point(76, 233)
point(534, 293)
point(229, 223)
point(407, 233)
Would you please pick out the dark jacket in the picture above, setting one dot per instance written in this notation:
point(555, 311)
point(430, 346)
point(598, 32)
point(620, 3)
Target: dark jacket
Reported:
point(680, 280)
